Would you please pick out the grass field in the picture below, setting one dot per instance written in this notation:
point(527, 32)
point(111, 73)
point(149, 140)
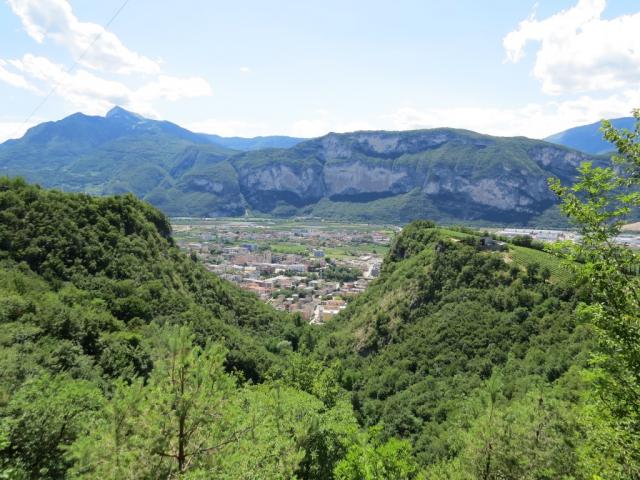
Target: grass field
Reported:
point(454, 233)
point(286, 247)
point(525, 256)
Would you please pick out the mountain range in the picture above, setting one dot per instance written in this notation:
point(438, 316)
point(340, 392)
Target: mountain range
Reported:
point(588, 138)
point(255, 143)
point(445, 174)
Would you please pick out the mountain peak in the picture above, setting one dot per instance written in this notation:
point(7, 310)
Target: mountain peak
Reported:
point(119, 112)
point(589, 138)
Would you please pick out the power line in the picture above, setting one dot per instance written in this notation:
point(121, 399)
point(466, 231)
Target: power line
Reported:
point(71, 68)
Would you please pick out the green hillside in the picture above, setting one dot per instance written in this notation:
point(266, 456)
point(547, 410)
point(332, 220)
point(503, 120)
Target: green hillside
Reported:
point(121, 357)
point(522, 256)
point(118, 252)
point(526, 256)
point(448, 175)
point(445, 321)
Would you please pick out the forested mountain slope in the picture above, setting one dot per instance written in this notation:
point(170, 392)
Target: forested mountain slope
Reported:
point(444, 174)
point(122, 357)
point(451, 331)
point(118, 252)
point(113, 343)
point(381, 176)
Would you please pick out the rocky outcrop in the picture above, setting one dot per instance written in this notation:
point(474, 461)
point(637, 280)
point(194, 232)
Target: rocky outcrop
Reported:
point(562, 162)
point(452, 169)
point(264, 187)
point(382, 144)
point(355, 179)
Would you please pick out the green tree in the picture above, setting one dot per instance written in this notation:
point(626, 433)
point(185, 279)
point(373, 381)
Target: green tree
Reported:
point(326, 440)
point(312, 376)
point(529, 438)
point(599, 204)
point(9, 468)
point(373, 459)
point(180, 418)
point(192, 419)
point(43, 418)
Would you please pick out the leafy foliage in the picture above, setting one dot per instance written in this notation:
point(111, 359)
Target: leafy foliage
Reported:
point(419, 346)
point(123, 358)
point(599, 204)
point(115, 257)
point(377, 460)
point(341, 273)
point(191, 418)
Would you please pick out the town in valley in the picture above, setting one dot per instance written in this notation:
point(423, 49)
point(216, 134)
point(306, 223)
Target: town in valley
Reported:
point(310, 268)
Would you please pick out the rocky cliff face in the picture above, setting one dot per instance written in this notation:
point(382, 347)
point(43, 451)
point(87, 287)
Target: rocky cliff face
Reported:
point(384, 144)
point(453, 169)
point(355, 179)
point(265, 186)
point(518, 194)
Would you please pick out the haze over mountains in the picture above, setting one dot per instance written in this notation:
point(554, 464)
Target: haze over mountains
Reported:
point(255, 143)
point(588, 138)
point(444, 174)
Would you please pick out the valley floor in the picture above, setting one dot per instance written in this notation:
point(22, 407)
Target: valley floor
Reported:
point(313, 267)
point(305, 267)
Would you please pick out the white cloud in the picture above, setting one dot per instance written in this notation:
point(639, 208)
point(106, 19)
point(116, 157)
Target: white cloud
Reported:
point(82, 89)
point(245, 70)
point(99, 48)
point(14, 129)
point(535, 120)
point(530, 120)
point(323, 122)
point(89, 91)
point(579, 51)
point(14, 79)
point(174, 88)
point(319, 123)
point(93, 94)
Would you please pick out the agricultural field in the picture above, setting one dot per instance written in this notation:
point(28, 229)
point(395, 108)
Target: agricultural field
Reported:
point(297, 236)
point(526, 256)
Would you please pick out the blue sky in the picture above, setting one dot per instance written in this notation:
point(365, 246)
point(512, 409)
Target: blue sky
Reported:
point(249, 67)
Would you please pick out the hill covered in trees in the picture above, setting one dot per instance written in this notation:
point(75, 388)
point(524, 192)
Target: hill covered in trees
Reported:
point(122, 357)
point(118, 253)
point(453, 340)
